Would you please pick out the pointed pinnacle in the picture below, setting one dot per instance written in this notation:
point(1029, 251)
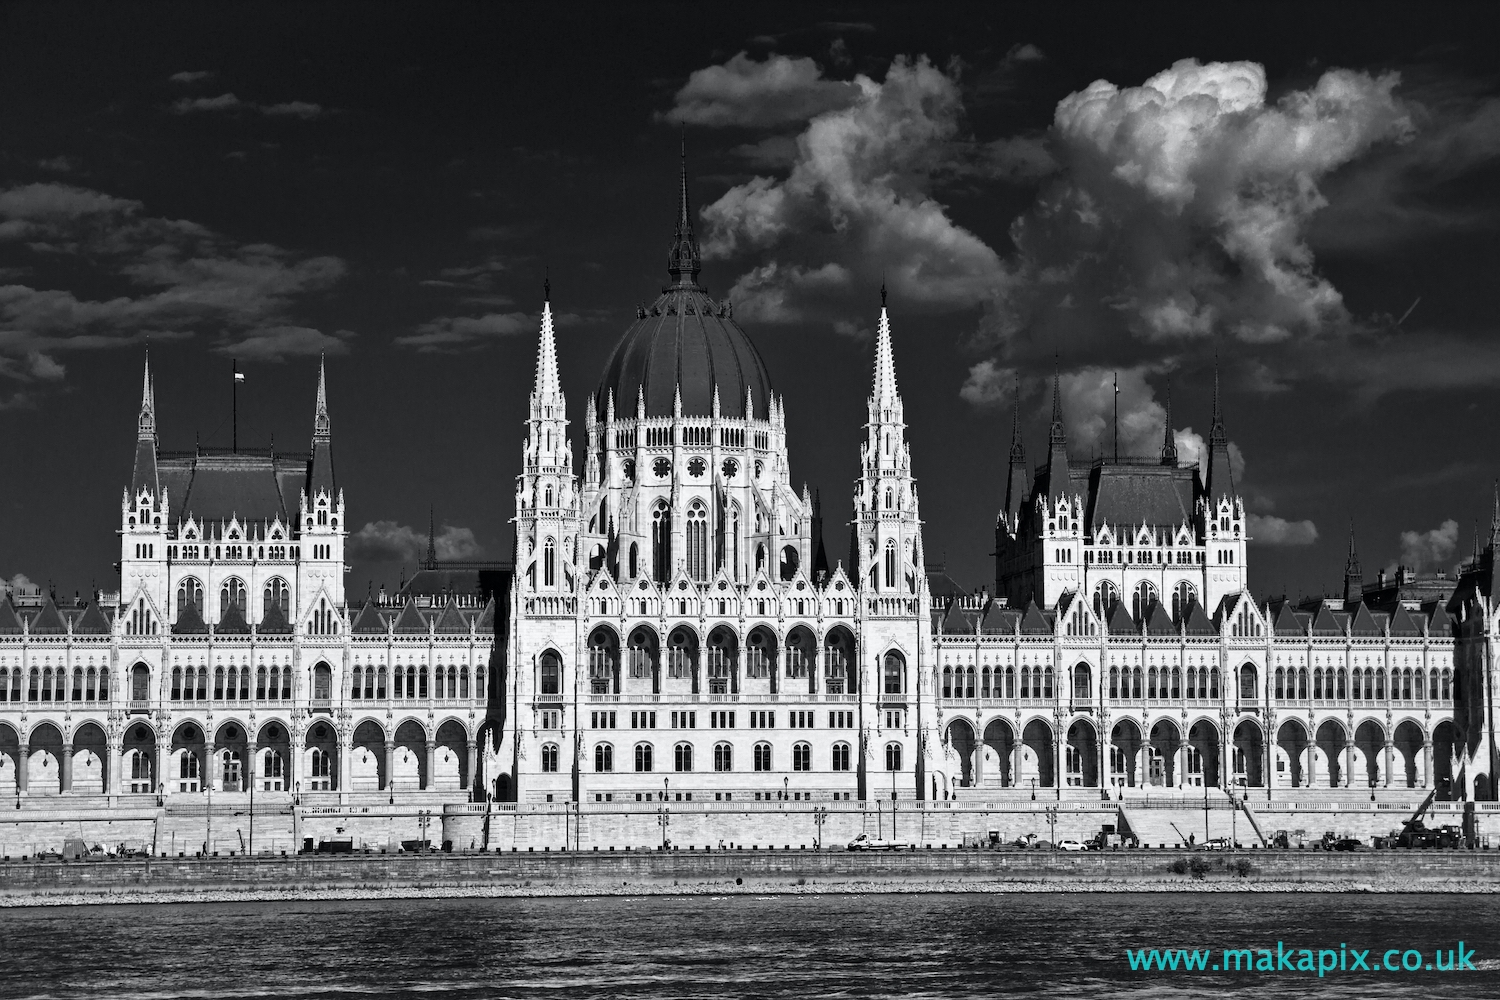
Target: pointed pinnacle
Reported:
point(547, 381)
point(322, 426)
point(885, 361)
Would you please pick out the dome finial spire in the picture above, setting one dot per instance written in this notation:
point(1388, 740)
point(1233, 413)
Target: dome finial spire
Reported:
point(684, 261)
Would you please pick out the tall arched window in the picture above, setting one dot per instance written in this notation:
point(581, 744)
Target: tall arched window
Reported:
point(549, 564)
point(1081, 682)
point(723, 757)
point(1247, 682)
point(661, 543)
point(890, 562)
point(190, 591)
point(604, 758)
point(277, 596)
point(732, 541)
point(549, 671)
point(643, 757)
point(682, 757)
point(1141, 600)
point(634, 559)
point(893, 756)
point(232, 594)
point(762, 756)
point(549, 758)
point(801, 757)
point(894, 674)
point(1182, 595)
point(1105, 599)
point(697, 541)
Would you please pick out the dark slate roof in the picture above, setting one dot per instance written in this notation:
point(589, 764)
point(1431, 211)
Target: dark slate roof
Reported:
point(189, 621)
point(273, 622)
point(1128, 495)
point(955, 622)
point(10, 622)
point(93, 621)
point(232, 622)
point(1439, 622)
point(1402, 623)
point(1364, 622)
point(1120, 622)
point(48, 621)
point(439, 581)
point(999, 620)
point(1326, 623)
point(486, 622)
point(943, 587)
point(1196, 620)
point(369, 621)
point(410, 619)
point(683, 340)
point(1034, 622)
point(252, 487)
point(452, 621)
point(1286, 621)
point(1159, 622)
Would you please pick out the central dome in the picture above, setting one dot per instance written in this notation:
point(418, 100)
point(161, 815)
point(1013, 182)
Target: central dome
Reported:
point(685, 341)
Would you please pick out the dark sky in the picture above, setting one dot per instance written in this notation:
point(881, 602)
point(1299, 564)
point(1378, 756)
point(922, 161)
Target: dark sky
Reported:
point(1313, 202)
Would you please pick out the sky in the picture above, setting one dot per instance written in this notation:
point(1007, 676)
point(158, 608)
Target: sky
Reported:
point(1301, 197)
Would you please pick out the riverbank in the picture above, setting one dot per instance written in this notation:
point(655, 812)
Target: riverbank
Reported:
point(738, 872)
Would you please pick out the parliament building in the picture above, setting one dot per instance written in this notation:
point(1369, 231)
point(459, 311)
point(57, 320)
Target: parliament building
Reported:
point(673, 629)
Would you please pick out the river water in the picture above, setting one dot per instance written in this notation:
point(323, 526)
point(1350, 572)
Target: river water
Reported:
point(968, 946)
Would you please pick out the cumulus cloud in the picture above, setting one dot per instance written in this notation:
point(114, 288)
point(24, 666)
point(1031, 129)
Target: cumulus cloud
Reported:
point(744, 92)
point(277, 343)
point(171, 277)
point(1430, 550)
point(390, 541)
point(228, 102)
point(190, 76)
point(989, 384)
point(855, 206)
point(19, 581)
point(1181, 207)
point(1265, 529)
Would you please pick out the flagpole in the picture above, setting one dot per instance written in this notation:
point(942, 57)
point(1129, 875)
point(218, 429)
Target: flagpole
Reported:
point(1117, 416)
point(234, 408)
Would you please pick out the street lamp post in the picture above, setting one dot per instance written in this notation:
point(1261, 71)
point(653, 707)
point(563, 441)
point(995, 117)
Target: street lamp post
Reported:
point(1033, 789)
point(893, 804)
point(1052, 824)
point(820, 813)
point(1205, 809)
point(664, 820)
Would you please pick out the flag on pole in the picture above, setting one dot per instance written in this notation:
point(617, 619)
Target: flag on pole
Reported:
point(239, 376)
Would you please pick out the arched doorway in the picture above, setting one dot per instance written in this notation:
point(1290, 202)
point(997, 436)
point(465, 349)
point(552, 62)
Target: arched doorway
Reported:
point(1081, 763)
point(1247, 769)
point(1124, 754)
point(1037, 754)
point(1291, 755)
point(1161, 755)
point(1332, 768)
point(1203, 755)
point(997, 755)
point(961, 741)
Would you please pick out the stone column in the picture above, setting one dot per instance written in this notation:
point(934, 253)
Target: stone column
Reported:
point(427, 774)
point(115, 756)
point(1268, 764)
point(1017, 755)
point(209, 766)
point(65, 769)
point(470, 769)
point(1312, 764)
point(1390, 760)
point(251, 771)
point(23, 767)
point(1349, 763)
point(390, 764)
point(1427, 762)
point(1142, 756)
point(159, 772)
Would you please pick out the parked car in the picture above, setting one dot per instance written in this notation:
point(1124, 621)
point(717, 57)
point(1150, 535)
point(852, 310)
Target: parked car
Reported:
point(865, 842)
point(1347, 844)
point(1070, 845)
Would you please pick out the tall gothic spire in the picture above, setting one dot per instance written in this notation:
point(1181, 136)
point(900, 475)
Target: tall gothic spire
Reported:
point(1495, 519)
point(144, 475)
point(1169, 443)
point(1354, 578)
point(1057, 445)
point(146, 427)
point(547, 382)
point(1220, 472)
point(320, 468)
point(431, 536)
point(1017, 447)
point(684, 261)
point(885, 361)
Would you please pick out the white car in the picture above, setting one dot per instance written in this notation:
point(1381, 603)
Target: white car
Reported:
point(865, 842)
point(1070, 845)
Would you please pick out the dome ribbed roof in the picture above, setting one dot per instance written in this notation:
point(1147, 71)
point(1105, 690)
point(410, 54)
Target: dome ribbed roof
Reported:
point(685, 340)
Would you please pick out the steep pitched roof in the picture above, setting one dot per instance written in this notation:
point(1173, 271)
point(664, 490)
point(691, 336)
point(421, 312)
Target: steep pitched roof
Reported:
point(92, 622)
point(48, 621)
point(369, 622)
point(1034, 622)
point(1196, 620)
point(954, 622)
point(232, 622)
point(273, 622)
point(999, 620)
point(1325, 623)
point(189, 621)
point(1402, 623)
point(1128, 496)
point(1363, 623)
point(1159, 622)
point(452, 621)
point(1286, 622)
point(1120, 622)
point(486, 622)
point(10, 622)
point(1440, 622)
point(410, 619)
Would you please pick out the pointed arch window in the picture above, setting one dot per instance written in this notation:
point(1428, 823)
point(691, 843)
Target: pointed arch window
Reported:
point(232, 594)
point(1183, 595)
point(1142, 600)
point(661, 543)
point(277, 595)
point(549, 564)
point(697, 541)
point(190, 591)
point(890, 562)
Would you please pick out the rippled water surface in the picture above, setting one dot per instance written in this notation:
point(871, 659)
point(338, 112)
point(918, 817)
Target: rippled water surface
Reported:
point(777, 946)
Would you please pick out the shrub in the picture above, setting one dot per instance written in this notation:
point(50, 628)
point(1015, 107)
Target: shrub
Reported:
point(1243, 868)
point(1178, 867)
